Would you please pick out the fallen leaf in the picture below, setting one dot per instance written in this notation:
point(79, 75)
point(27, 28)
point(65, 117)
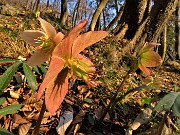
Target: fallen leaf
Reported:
point(98, 113)
point(19, 119)
point(79, 117)
point(14, 94)
point(65, 121)
point(23, 129)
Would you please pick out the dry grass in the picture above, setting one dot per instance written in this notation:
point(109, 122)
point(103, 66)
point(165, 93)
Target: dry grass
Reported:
point(11, 44)
point(13, 47)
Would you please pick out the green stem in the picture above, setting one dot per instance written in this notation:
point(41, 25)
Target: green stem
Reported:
point(36, 131)
point(115, 96)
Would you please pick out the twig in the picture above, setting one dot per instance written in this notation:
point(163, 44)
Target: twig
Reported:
point(115, 96)
point(36, 131)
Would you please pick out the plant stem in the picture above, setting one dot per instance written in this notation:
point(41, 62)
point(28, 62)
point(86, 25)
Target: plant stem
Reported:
point(115, 96)
point(36, 131)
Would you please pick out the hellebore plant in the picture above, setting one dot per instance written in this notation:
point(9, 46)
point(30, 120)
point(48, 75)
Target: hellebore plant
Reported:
point(45, 42)
point(148, 58)
point(66, 62)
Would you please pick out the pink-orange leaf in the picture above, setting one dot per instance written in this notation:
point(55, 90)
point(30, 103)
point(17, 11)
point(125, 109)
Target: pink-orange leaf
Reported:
point(55, 67)
point(56, 91)
point(48, 28)
point(87, 39)
point(144, 69)
point(150, 59)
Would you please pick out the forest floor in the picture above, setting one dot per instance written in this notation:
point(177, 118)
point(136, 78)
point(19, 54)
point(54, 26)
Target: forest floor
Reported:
point(87, 104)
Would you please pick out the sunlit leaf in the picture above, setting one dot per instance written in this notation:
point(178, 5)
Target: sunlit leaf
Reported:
point(150, 59)
point(10, 109)
point(31, 79)
point(167, 101)
point(24, 128)
point(5, 79)
point(2, 100)
point(65, 121)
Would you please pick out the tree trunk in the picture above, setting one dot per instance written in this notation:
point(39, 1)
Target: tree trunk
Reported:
point(132, 17)
point(116, 6)
point(163, 48)
point(47, 5)
point(157, 20)
point(64, 12)
point(177, 33)
point(152, 26)
point(75, 13)
point(97, 14)
point(117, 18)
point(36, 5)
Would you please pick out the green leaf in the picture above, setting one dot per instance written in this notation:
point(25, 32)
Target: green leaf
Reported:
point(43, 69)
point(35, 68)
point(2, 100)
point(31, 79)
point(8, 60)
point(146, 100)
point(5, 79)
point(5, 132)
point(176, 107)
point(88, 100)
point(166, 102)
point(10, 109)
point(91, 119)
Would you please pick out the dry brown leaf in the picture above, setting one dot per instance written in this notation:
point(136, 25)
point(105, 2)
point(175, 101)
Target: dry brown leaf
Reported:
point(19, 119)
point(82, 88)
point(65, 121)
point(77, 127)
point(142, 118)
point(14, 94)
point(23, 129)
point(87, 94)
point(6, 122)
point(79, 117)
point(26, 108)
point(98, 113)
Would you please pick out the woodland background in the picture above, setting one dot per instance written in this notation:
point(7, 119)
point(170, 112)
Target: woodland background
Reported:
point(130, 24)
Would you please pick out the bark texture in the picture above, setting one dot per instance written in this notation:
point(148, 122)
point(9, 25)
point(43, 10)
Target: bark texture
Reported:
point(133, 15)
point(97, 14)
point(64, 12)
point(152, 26)
point(177, 31)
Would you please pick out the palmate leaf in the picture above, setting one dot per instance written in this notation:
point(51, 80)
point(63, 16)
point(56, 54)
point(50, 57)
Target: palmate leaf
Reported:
point(5, 79)
point(169, 101)
point(31, 79)
point(8, 60)
point(35, 68)
point(10, 109)
point(176, 107)
point(2, 100)
point(5, 132)
point(43, 69)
